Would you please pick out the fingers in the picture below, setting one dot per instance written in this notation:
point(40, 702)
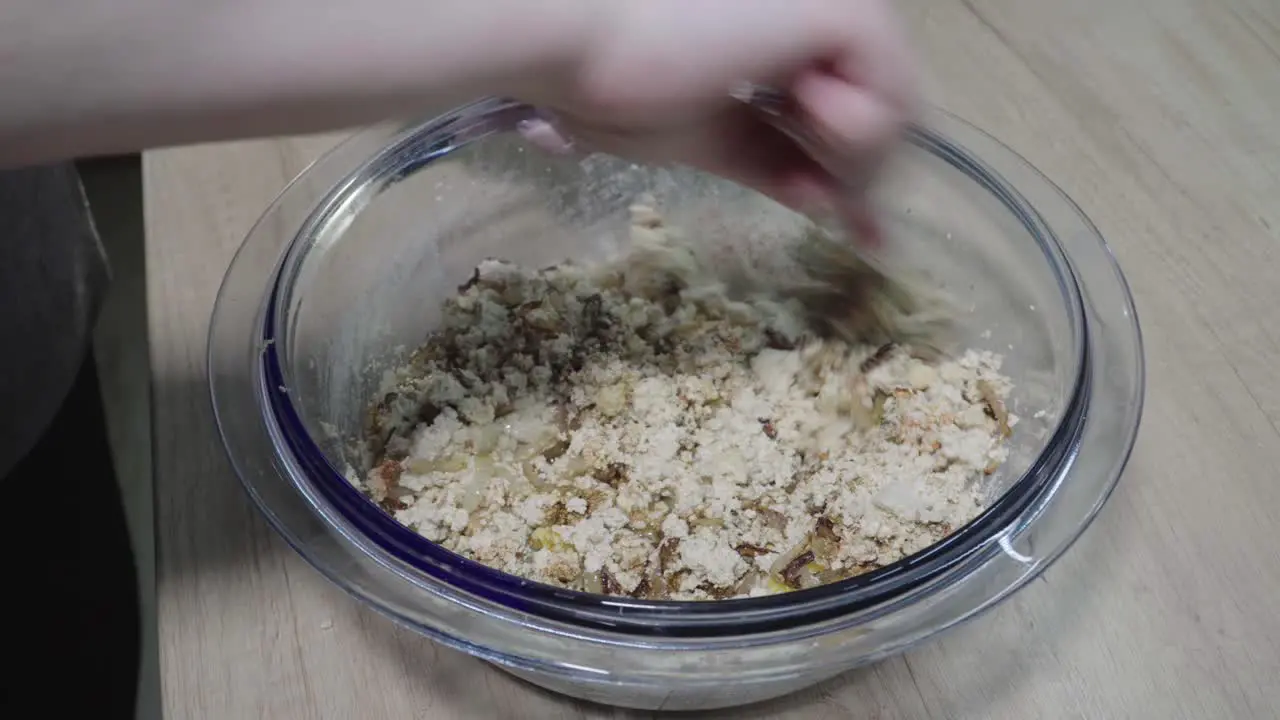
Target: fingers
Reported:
point(877, 57)
point(857, 127)
point(658, 91)
point(734, 143)
point(740, 148)
point(847, 116)
point(859, 104)
point(860, 100)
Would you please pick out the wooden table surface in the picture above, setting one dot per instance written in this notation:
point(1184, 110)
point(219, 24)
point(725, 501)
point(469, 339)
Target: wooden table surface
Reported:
point(1161, 118)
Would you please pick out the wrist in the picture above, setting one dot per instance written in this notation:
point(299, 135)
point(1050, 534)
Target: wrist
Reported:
point(554, 46)
point(366, 61)
point(147, 73)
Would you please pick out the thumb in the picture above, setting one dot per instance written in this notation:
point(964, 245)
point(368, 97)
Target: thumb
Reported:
point(855, 123)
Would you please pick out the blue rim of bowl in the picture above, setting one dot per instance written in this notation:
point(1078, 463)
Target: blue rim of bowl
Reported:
point(668, 618)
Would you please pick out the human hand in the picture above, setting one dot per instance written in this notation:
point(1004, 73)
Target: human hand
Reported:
point(654, 82)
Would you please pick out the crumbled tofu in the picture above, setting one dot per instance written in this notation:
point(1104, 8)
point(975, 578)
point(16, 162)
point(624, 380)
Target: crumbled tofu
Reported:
point(630, 429)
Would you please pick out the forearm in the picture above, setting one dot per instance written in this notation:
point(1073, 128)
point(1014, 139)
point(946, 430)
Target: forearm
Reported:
point(82, 77)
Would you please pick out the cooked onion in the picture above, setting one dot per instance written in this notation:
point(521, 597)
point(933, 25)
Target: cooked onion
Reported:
point(748, 582)
point(448, 464)
point(787, 558)
point(472, 495)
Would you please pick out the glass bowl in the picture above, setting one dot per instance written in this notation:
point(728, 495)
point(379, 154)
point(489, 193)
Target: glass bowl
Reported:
point(346, 273)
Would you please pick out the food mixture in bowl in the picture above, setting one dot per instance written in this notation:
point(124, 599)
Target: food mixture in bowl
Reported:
point(635, 429)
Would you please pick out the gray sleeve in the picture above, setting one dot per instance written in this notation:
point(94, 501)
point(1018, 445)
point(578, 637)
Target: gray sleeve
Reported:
point(52, 277)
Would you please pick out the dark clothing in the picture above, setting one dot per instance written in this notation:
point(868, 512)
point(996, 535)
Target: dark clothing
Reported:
point(72, 626)
point(52, 279)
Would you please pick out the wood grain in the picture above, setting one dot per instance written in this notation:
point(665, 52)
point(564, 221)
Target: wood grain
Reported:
point(1157, 116)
